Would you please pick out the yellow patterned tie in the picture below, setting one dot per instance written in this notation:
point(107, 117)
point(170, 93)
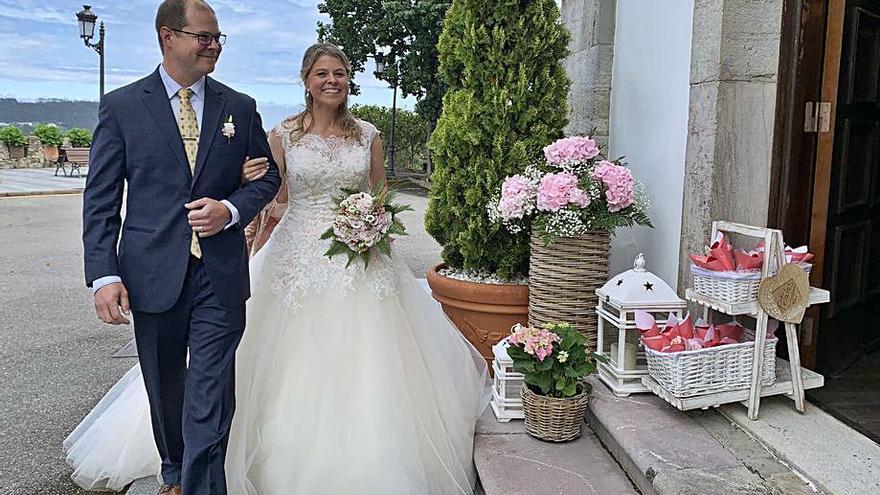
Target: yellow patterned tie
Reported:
point(189, 131)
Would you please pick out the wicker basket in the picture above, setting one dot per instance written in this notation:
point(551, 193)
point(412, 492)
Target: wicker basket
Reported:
point(555, 419)
point(563, 279)
point(715, 369)
point(731, 287)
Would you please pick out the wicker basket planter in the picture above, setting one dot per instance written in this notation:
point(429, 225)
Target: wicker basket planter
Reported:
point(563, 279)
point(555, 419)
point(715, 369)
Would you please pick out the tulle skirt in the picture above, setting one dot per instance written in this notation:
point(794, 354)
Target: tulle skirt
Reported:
point(347, 392)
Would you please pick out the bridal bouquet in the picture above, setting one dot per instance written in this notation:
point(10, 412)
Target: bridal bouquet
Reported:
point(364, 223)
point(574, 190)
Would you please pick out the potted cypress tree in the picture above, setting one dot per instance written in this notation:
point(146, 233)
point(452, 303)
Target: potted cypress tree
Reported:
point(506, 100)
point(51, 138)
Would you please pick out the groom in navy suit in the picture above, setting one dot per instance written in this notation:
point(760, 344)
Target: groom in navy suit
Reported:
point(178, 139)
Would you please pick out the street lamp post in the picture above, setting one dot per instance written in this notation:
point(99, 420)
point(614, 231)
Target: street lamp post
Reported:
point(87, 20)
point(380, 69)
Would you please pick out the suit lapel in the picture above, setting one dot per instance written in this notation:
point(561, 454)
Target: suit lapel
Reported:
point(211, 121)
point(156, 100)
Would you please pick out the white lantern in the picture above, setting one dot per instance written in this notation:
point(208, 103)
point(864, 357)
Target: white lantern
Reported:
point(618, 338)
point(506, 402)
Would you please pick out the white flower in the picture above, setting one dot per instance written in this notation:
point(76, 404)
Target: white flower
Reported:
point(228, 128)
point(562, 356)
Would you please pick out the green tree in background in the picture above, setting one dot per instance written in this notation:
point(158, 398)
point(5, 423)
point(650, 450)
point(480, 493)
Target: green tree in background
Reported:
point(409, 133)
point(406, 31)
point(506, 100)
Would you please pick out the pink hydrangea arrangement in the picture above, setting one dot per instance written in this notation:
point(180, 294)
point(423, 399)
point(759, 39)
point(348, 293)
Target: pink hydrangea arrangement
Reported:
point(571, 149)
point(618, 183)
point(364, 222)
point(553, 358)
point(574, 190)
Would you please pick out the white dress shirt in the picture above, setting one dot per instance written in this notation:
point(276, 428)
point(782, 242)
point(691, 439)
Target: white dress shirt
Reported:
point(197, 99)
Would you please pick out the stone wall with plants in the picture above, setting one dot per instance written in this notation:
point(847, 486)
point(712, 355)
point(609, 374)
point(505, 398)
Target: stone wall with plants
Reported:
point(34, 154)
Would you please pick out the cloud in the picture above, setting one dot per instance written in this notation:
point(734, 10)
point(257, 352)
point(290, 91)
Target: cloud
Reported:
point(267, 39)
point(42, 13)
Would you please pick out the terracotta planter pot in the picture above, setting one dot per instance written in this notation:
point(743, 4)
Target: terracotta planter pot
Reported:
point(483, 313)
point(17, 151)
point(50, 153)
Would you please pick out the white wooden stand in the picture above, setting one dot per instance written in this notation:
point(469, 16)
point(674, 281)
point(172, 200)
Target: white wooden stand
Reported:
point(791, 378)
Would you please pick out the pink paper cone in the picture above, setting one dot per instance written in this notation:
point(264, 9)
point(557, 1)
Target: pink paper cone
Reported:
point(686, 327)
point(693, 344)
point(722, 251)
point(656, 343)
point(748, 260)
point(646, 324)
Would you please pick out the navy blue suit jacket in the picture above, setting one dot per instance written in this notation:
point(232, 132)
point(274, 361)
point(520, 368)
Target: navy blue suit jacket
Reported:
point(137, 142)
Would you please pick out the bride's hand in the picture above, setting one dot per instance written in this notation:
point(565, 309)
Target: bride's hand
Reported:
point(254, 169)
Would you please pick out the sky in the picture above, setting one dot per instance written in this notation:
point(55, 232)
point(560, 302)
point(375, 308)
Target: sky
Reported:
point(43, 56)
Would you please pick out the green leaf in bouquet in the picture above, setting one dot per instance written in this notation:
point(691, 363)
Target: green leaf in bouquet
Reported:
point(397, 228)
point(570, 390)
point(384, 246)
point(366, 257)
point(327, 234)
point(335, 248)
point(351, 257)
point(399, 208)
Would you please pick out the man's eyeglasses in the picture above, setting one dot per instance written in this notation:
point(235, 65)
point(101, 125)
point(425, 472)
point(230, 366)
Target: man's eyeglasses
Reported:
point(204, 39)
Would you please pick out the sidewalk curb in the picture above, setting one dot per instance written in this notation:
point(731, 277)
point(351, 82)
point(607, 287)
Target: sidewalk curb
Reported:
point(17, 194)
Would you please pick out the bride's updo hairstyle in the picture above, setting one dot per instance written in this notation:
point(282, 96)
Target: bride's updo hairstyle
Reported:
point(302, 122)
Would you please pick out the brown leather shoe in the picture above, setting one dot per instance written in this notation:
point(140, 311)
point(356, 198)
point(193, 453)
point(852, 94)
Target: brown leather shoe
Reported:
point(170, 490)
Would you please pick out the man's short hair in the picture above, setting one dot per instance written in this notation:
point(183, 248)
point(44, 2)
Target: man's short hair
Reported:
point(172, 14)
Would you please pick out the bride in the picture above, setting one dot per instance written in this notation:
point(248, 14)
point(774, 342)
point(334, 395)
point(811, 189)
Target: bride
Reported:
point(347, 380)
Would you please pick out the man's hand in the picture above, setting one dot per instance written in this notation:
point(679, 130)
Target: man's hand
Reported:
point(111, 303)
point(207, 216)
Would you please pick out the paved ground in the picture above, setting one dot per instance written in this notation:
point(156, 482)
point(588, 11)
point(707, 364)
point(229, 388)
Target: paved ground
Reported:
point(55, 359)
point(30, 181)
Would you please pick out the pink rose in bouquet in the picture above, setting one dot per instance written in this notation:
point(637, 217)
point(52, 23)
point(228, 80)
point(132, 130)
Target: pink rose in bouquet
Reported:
point(618, 183)
point(575, 148)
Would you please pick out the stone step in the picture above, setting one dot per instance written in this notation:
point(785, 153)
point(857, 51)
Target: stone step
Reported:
point(510, 461)
point(667, 452)
point(837, 458)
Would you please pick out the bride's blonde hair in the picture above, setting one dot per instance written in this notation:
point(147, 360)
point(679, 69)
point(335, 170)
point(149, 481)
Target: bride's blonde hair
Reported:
point(302, 122)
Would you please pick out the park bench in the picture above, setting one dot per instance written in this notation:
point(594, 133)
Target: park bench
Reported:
point(75, 157)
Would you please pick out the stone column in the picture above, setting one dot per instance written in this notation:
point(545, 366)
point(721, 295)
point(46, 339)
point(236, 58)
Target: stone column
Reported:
point(591, 23)
point(734, 65)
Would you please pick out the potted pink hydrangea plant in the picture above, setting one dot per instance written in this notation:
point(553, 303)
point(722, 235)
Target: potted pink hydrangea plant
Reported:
point(554, 360)
point(570, 202)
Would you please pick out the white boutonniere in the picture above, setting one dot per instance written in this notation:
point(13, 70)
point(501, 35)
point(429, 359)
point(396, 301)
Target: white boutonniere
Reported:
point(228, 129)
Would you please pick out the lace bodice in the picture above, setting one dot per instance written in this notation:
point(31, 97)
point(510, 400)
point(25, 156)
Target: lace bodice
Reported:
point(316, 170)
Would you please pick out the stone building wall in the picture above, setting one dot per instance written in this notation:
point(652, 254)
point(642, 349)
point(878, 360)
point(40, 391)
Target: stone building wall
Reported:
point(731, 109)
point(734, 69)
point(591, 23)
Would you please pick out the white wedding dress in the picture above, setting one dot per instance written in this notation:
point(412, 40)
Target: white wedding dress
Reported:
point(347, 381)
